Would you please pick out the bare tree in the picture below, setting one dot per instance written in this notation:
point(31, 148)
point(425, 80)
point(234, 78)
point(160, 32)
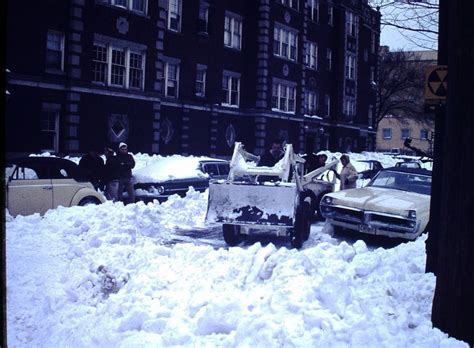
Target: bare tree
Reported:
point(416, 20)
point(401, 80)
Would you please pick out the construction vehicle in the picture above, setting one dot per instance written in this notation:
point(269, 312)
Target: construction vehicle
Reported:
point(245, 205)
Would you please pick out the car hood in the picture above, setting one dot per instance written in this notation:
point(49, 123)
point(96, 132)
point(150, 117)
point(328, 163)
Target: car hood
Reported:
point(381, 199)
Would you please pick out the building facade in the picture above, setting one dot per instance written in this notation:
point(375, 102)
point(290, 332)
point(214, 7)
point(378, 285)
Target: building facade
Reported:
point(191, 77)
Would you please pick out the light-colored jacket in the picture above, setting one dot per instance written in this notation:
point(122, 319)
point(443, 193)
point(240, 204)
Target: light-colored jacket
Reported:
point(348, 176)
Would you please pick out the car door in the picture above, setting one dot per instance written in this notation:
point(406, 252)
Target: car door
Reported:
point(28, 191)
point(65, 186)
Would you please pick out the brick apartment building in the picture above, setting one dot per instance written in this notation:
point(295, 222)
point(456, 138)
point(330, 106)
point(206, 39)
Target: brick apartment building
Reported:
point(190, 77)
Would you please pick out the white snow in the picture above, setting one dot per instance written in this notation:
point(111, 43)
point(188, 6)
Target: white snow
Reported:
point(157, 275)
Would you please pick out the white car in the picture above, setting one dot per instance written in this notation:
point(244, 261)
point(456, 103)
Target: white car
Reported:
point(36, 184)
point(396, 203)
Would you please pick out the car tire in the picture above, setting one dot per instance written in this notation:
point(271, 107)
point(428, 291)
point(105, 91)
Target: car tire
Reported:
point(88, 201)
point(231, 234)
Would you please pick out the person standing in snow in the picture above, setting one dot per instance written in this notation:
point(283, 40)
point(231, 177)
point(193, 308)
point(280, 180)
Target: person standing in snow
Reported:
point(348, 175)
point(125, 165)
point(91, 166)
point(315, 161)
point(110, 178)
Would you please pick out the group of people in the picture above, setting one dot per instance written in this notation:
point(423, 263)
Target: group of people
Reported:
point(347, 176)
point(114, 177)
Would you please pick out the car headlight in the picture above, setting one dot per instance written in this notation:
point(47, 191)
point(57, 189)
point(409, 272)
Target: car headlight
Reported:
point(412, 214)
point(327, 200)
point(160, 189)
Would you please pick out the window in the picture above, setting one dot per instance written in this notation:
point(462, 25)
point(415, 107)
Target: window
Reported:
point(118, 66)
point(330, 14)
point(405, 133)
point(283, 97)
point(201, 81)
point(55, 51)
point(329, 59)
point(311, 103)
point(424, 134)
point(313, 10)
point(370, 116)
point(350, 66)
point(351, 24)
point(285, 43)
point(311, 56)
point(327, 105)
point(134, 5)
point(230, 89)
point(49, 129)
point(171, 80)
point(203, 17)
point(387, 133)
point(290, 3)
point(372, 74)
point(233, 31)
point(174, 15)
point(372, 43)
point(349, 107)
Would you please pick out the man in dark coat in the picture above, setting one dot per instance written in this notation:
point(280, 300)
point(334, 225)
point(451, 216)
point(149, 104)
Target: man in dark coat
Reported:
point(91, 166)
point(110, 178)
point(126, 164)
point(270, 158)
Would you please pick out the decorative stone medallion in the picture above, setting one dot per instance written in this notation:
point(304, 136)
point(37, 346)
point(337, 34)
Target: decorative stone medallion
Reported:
point(122, 25)
point(287, 17)
point(286, 70)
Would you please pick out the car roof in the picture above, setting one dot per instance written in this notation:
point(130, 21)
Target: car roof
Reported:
point(422, 171)
point(39, 160)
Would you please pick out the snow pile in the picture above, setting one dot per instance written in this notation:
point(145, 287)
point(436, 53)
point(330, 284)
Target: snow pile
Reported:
point(111, 275)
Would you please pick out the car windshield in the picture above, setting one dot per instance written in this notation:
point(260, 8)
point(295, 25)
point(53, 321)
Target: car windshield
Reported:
point(411, 182)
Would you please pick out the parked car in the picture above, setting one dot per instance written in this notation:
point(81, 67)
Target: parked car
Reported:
point(36, 184)
point(373, 167)
point(395, 203)
point(175, 175)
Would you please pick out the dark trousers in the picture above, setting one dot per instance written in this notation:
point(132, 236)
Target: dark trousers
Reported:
point(126, 184)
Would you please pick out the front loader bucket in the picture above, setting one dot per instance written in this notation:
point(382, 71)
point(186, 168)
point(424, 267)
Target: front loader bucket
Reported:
point(252, 204)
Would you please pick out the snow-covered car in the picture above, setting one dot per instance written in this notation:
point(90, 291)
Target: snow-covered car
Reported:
point(36, 184)
point(395, 203)
point(175, 175)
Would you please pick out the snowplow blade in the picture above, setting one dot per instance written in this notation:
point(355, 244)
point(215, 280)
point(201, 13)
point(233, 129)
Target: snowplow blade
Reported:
point(252, 204)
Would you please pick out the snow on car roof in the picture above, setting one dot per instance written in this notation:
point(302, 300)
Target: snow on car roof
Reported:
point(170, 168)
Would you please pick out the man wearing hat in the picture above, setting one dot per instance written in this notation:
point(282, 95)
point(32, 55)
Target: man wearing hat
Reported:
point(124, 171)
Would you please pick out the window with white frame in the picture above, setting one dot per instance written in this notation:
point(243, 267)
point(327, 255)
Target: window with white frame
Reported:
point(350, 66)
point(351, 23)
point(132, 5)
point(405, 133)
point(424, 134)
point(349, 107)
point(233, 31)
point(330, 13)
point(284, 96)
point(313, 6)
point(118, 66)
point(285, 42)
point(311, 56)
point(171, 79)
point(387, 133)
point(201, 80)
point(230, 89)
point(311, 103)
point(174, 15)
point(327, 105)
point(55, 51)
point(290, 3)
point(50, 128)
point(203, 20)
point(328, 58)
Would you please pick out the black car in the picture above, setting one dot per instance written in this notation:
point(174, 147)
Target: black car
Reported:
point(373, 168)
point(147, 188)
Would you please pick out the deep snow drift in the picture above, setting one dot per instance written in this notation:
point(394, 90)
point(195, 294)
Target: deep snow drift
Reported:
point(114, 275)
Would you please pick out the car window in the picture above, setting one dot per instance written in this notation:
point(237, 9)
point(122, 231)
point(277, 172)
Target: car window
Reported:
point(224, 169)
point(210, 169)
point(25, 173)
point(59, 172)
point(403, 181)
